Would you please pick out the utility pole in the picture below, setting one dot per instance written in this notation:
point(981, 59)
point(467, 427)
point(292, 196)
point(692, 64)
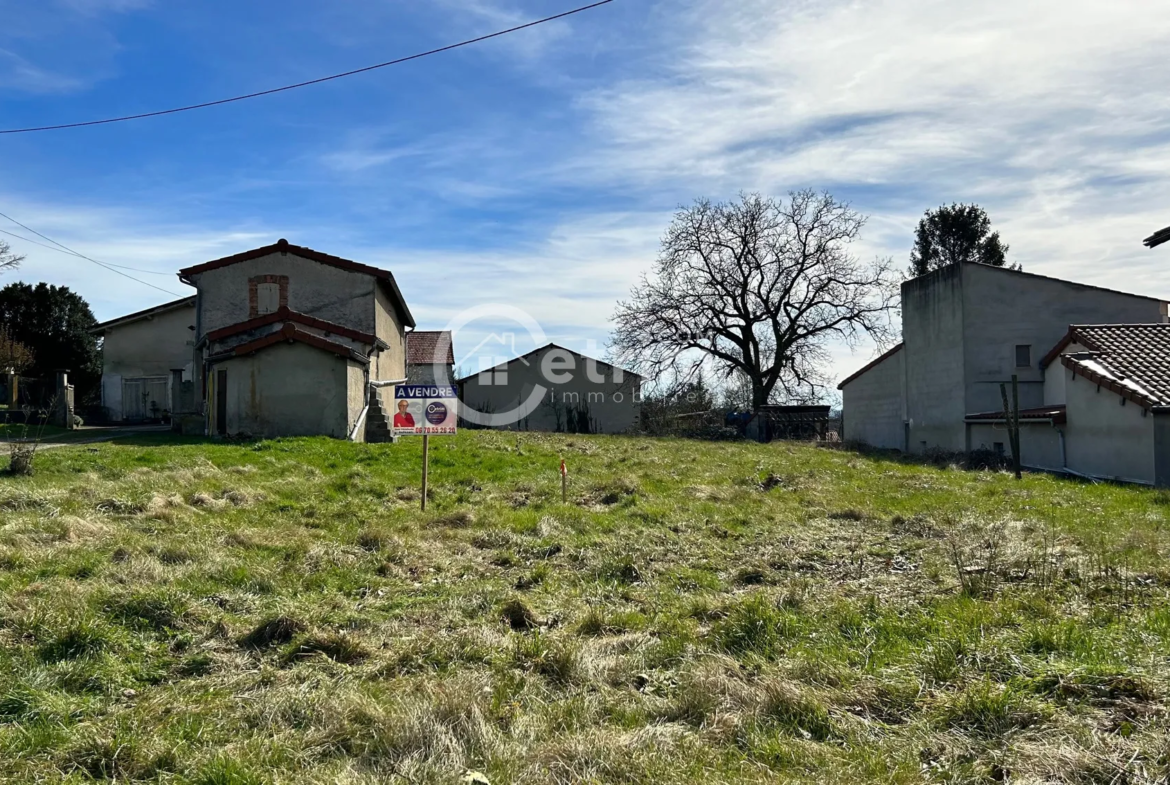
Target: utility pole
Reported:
point(1011, 416)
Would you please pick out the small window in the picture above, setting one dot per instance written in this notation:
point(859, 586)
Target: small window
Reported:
point(1023, 356)
point(998, 449)
point(267, 298)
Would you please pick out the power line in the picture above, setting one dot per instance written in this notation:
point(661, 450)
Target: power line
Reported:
point(408, 58)
point(71, 253)
point(86, 258)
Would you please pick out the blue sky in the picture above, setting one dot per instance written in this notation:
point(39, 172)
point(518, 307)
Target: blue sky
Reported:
point(540, 170)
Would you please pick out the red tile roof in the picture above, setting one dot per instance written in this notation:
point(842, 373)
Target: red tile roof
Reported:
point(291, 332)
point(428, 347)
point(285, 314)
point(1132, 360)
point(284, 246)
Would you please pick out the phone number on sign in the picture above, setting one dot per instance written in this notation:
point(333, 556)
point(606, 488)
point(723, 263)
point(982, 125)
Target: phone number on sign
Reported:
point(448, 429)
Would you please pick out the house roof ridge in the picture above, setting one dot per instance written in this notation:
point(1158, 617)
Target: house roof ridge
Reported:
point(872, 363)
point(283, 246)
point(144, 313)
point(549, 345)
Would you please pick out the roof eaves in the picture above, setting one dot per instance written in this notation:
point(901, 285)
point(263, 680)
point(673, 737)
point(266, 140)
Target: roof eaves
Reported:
point(286, 314)
point(292, 333)
point(145, 313)
point(871, 365)
point(1079, 368)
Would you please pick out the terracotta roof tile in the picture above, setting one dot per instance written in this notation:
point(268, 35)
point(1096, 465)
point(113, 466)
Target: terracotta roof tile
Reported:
point(1131, 359)
point(423, 347)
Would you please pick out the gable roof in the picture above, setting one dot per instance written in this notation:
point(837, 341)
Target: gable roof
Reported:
point(146, 313)
point(425, 347)
point(293, 334)
point(283, 246)
point(285, 314)
point(870, 365)
point(1132, 360)
point(524, 358)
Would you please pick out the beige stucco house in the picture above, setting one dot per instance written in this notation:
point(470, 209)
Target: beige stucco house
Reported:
point(291, 341)
point(553, 389)
point(1094, 399)
point(145, 358)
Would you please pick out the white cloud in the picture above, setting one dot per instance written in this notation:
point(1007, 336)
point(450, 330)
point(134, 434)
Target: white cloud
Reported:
point(1053, 115)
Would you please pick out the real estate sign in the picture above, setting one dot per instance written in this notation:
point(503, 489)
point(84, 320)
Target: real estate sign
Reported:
point(425, 410)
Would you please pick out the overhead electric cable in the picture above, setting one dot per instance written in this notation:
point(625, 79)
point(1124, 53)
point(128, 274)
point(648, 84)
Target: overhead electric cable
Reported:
point(86, 258)
point(79, 256)
point(330, 78)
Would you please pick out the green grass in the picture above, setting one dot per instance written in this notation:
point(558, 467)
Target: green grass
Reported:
point(174, 611)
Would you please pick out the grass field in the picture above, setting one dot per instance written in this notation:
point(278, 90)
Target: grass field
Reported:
point(697, 612)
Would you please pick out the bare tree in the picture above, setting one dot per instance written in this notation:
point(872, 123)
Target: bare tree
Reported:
point(757, 286)
point(8, 260)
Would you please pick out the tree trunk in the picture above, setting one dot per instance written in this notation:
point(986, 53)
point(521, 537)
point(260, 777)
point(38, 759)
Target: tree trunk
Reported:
point(759, 395)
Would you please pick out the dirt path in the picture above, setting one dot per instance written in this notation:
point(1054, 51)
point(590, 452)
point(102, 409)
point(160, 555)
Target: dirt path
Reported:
point(81, 436)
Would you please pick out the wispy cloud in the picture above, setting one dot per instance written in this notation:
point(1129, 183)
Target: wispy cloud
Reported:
point(17, 73)
point(1053, 115)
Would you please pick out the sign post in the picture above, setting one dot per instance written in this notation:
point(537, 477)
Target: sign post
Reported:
point(426, 467)
point(425, 410)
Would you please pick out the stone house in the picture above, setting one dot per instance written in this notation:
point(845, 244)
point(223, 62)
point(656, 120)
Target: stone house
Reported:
point(145, 358)
point(553, 389)
point(965, 330)
point(290, 341)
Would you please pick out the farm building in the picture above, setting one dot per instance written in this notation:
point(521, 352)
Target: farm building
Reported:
point(145, 358)
point(553, 389)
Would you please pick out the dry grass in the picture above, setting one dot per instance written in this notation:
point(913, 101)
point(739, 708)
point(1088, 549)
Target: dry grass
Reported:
point(282, 612)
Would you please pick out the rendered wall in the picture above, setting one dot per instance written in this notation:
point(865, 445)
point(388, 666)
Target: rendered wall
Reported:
point(288, 389)
point(874, 405)
point(340, 296)
point(932, 336)
point(1039, 443)
point(1003, 308)
point(612, 407)
point(390, 363)
point(357, 378)
point(1106, 439)
point(150, 346)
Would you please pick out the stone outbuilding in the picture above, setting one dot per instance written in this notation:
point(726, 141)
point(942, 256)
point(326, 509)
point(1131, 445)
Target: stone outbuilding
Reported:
point(148, 362)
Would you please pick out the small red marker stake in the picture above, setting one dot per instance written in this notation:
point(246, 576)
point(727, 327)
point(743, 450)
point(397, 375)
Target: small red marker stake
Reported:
point(564, 482)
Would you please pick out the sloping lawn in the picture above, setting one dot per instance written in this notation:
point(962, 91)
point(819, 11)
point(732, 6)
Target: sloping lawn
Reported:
point(282, 611)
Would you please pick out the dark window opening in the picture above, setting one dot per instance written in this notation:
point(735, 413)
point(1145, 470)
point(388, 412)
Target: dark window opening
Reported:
point(998, 448)
point(1023, 356)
